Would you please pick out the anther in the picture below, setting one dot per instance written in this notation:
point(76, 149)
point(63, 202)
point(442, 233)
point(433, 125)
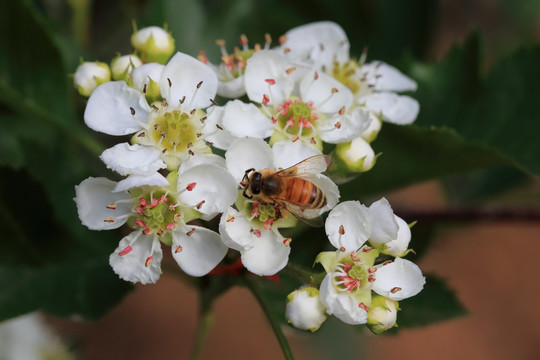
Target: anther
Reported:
point(200, 204)
point(163, 151)
point(199, 85)
point(154, 107)
point(190, 232)
point(243, 40)
point(342, 110)
point(270, 81)
point(170, 226)
point(219, 127)
point(268, 224)
point(191, 152)
point(282, 39)
point(192, 111)
point(230, 218)
point(111, 206)
point(126, 251)
point(203, 119)
point(372, 270)
point(287, 241)
point(143, 134)
point(315, 76)
point(178, 249)
point(132, 111)
point(267, 39)
point(387, 262)
point(208, 143)
point(337, 125)
point(257, 233)
point(342, 249)
point(290, 70)
point(140, 223)
point(341, 230)
point(169, 81)
point(213, 102)
point(313, 141)
point(363, 306)
point(182, 99)
point(395, 290)
point(144, 89)
point(108, 220)
point(265, 99)
point(191, 186)
point(147, 231)
point(189, 145)
point(334, 90)
point(162, 134)
point(148, 261)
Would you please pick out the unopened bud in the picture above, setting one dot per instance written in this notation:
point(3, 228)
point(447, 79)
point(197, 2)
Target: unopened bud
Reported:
point(154, 44)
point(382, 314)
point(357, 155)
point(122, 66)
point(90, 75)
point(305, 310)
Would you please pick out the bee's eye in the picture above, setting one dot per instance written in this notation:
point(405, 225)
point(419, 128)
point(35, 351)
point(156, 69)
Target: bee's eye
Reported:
point(256, 183)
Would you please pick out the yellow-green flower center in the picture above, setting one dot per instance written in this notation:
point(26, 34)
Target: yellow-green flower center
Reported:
point(296, 117)
point(156, 213)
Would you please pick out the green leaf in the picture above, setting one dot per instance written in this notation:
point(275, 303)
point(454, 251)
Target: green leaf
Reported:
point(436, 302)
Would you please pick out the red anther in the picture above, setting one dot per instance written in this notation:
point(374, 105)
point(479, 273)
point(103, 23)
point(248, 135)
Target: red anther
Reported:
point(265, 99)
point(200, 204)
point(367, 249)
point(111, 206)
point(334, 90)
point(190, 232)
point(155, 202)
point(147, 231)
point(170, 226)
point(108, 220)
point(160, 232)
point(290, 121)
point(140, 223)
point(395, 290)
point(140, 210)
point(372, 270)
point(163, 199)
point(257, 233)
point(142, 201)
point(287, 241)
point(270, 81)
point(268, 224)
point(148, 261)
point(387, 262)
point(315, 76)
point(313, 141)
point(171, 207)
point(290, 70)
point(220, 42)
point(230, 218)
point(342, 110)
point(191, 186)
point(202, 57)
point(286, 50)
point(342, 249)
point(337, 125)
point(282, 39)
point(363, 306)
point(371, 278)
point(341, 230)
point(274, 119)
point(177, 217)
point(295, 138)
point(126, 251)
point(178, 249)
point(243, 39)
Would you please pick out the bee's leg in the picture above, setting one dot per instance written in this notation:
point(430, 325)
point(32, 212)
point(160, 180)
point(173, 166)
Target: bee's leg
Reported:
point(246, 195)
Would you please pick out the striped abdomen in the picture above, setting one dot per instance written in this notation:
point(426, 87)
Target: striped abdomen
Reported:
point(303, 193)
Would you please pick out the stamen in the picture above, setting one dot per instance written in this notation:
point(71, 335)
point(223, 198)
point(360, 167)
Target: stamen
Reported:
point(395, 290)
point(111, 206)
point(178, 249)
point(257, 233)
point(191, 186)
point(287, 241)
point(200, 204)
point(230, 218)
point(190, 232)
point(126, 251)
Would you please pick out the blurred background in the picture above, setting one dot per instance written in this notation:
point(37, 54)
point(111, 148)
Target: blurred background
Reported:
point(475, 196)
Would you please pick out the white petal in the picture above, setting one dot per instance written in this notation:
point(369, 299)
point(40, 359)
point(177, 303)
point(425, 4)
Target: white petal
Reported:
point(322, 92)
point(198, 253)
point(353, 217)
point(384, 227)
point(109, 109)
point(133, 181)
point(398, 280)
point(401, 244)
point(221, 139)
point(387, 78)
point(288, 153)
point(268, 255)
point(244, 154)
point(235, 230)
point(128, 159)
point(265, 65)
point(132, 264)
point(396, 109)
point(185, 73)
point(92, 197)
point(213, 185)
point(317, 43)
point(231, 89)
point(242, 120)
point(202, 159)
point(341, 304)
point(144, 73)
point(345, 127)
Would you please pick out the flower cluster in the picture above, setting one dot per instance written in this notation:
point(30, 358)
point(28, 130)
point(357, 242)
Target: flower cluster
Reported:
point(300, 99)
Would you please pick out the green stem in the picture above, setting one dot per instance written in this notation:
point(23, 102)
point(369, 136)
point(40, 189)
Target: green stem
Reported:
point(205, 324)
point(81, 20)
point(276, 326)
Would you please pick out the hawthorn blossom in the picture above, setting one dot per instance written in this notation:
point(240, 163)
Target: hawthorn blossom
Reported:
point(159, 209)
point(89, 75)
point(230, 71)
point(305, 310)
point(252, 228)
point(294, 104)
point(352, 274)
point(324, 46)
point(174, 127)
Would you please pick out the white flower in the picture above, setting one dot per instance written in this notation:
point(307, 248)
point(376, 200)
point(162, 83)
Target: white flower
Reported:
point(252, 228)
point(324, 46)
point(159, 210)
point(28, 338)
point(154, 44)
point(122, 66)
point(89, 75)
point(230, 71)
point(295, 104)
point(175, 127)
point(305, 310)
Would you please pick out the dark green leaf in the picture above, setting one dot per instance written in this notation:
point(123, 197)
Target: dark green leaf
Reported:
point(436, 302)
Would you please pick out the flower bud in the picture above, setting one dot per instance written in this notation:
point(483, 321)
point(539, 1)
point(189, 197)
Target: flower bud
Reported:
point(305, 310)
point(122, 66)
point(370, 134)
point(154, 44)
point(382, 314)
point(357, 155)
point(90, 75)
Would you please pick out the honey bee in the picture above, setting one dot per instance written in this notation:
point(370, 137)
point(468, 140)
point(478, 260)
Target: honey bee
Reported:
point(290, 188)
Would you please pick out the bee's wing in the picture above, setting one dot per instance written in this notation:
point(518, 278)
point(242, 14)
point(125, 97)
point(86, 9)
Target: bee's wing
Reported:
point(310, 166)
point(307, 216)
